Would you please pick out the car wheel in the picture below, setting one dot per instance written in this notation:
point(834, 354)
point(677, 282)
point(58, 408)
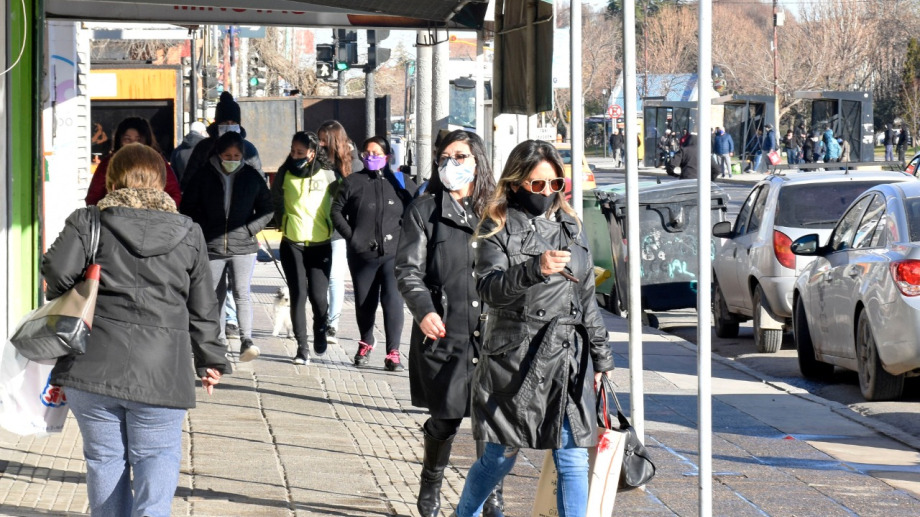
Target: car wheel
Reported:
point(874, 382)
point(613, 302)
point(726, 324)
point(768, 341)
point(809, 365)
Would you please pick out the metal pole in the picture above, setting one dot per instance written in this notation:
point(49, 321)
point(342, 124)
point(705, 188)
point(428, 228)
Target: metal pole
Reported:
point(370, 120)
point(703, 293)
point(636, 388)
point(775, 70)
point(423, 111)
point(480, 84)
point(243, 68)
point(578, 108)
point(193, 79)
point(440, 82)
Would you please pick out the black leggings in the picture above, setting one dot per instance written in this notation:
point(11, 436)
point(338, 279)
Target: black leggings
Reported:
point(375, 280)
point(442, 428)
point(307, 272)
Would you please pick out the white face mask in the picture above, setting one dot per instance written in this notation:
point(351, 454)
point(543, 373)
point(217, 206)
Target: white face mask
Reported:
point(229, 127)
point(455, 177)
point(230, 166)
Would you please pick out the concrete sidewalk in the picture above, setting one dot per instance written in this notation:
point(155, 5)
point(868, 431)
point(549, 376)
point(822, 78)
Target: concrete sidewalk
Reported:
point(330, 439)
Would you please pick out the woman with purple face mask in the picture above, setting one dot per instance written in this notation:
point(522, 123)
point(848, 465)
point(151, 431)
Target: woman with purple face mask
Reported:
point(368, 212)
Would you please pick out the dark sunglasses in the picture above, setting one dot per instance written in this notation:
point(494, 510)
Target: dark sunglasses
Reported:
point(555, 184)
point(456, 159)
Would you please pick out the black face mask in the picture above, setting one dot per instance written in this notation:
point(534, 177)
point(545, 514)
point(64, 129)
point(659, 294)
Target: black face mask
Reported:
point(533, 203)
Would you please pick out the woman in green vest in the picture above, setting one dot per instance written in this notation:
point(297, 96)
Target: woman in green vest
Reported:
point(302, 194)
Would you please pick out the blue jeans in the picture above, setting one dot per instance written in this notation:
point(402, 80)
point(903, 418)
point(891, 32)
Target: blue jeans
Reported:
point(241, 267)
point(120, 436)
point(758, 157)
point(497, 460)
point(337, 282)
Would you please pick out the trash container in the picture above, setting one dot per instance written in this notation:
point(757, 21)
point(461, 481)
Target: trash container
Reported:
point(668, 229)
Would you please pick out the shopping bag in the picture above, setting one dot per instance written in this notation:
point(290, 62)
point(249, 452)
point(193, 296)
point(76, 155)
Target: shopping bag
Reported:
point(62, 326)
point(544, 504)
point(29, 404)
point(773, 157)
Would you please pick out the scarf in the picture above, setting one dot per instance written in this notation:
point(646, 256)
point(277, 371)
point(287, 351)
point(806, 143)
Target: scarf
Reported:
point(143, 198)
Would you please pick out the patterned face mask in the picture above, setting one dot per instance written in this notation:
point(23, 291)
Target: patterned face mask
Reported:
point(456, 176)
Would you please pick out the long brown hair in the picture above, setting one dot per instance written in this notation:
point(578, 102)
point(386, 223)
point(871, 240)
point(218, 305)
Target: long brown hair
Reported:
point(333, 137)
point(143, 128)
point(523, 160)
point(484, 182)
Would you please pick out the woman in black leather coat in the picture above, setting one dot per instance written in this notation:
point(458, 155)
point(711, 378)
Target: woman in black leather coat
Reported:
point(544, 340)
point(434, 271)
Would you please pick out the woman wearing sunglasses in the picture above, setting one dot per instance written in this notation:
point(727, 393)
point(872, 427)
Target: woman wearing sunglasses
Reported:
point(544, 340)
point(434, 270)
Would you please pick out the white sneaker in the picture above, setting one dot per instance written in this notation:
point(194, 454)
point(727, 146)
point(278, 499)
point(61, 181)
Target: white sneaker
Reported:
point(302, 359)
point(248, 351)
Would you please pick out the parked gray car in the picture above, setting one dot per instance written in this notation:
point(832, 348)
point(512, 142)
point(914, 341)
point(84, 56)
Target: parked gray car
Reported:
point(754, 271)
point(857, 304)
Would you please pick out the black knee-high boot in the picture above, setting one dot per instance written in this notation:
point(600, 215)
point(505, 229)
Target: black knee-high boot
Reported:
point(437, 454)
point(495, 503)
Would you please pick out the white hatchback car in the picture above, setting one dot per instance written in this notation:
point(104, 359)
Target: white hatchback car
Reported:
point(755, 270)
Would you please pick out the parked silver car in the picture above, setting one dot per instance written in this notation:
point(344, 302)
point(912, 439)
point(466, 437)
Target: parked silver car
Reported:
point(754, 271)
point(857, 304)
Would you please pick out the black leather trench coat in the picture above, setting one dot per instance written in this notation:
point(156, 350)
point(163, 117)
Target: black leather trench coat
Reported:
point(434, 271)
point(544, 337)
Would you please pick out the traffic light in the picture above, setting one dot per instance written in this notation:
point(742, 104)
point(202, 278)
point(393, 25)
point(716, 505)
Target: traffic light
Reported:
point(258, 75)
point(325, 53)
point(211, 86)
point(376, 55)
point(346, 49)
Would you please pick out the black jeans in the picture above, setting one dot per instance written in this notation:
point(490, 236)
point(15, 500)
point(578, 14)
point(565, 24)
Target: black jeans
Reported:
point(307, 272)
point(375, 280)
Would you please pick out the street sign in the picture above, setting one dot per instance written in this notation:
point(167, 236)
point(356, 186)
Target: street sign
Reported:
point(615, 111)
point(323, 70)
point(610, 111)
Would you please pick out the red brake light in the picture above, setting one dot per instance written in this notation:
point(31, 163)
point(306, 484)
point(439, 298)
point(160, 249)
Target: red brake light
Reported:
point(906, 275)
point(782, 249)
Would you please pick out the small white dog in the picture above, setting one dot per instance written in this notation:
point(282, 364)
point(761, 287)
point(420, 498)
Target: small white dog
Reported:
point(282, 310)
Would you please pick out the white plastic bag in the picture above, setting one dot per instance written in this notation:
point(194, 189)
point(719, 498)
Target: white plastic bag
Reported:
point(28, 403)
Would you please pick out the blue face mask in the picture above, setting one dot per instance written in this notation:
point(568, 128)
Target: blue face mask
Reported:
point(455, 177)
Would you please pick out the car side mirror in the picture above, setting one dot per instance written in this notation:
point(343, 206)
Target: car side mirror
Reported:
point(722, 229)
point(592, 167)
point(806, 245)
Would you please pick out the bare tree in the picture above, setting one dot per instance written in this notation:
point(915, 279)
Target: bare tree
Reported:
point(299, 77)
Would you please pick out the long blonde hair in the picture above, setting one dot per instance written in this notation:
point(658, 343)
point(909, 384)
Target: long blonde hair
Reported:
point(524, 158)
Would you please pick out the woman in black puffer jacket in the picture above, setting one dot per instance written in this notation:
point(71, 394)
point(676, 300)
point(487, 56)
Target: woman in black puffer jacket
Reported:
point(231, 202)
point(155, 312)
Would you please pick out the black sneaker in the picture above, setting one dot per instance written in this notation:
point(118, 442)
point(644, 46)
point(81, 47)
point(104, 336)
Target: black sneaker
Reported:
point(302, 358)
point(319, 341)
point(391, 362)
point(248, 351)
point(232, 330)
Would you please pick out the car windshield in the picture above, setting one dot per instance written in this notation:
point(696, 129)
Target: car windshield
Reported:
point(913, 218)
point(566, 155)
point(817, 205)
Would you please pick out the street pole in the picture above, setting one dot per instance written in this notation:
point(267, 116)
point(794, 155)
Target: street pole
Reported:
point(775, 69)
point(578, 108)
point(423, 110)
point(193, 79)
point(630, 106)
point(704, 288)
point(369, 113)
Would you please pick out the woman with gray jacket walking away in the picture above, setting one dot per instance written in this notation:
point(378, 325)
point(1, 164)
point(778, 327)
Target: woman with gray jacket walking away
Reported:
point(154, 332)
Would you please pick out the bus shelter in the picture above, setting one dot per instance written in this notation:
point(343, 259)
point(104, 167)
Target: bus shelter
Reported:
point(660, 114)
point(849, 115)
point(743, 116)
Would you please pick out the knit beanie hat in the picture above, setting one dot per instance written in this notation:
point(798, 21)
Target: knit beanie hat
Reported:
point(227, 109)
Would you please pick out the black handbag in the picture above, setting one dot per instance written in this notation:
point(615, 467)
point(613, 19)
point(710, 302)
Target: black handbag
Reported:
point(638, 468)
point(61, 327)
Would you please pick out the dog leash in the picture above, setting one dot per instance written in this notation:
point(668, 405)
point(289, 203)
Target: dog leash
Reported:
point(271, 252)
